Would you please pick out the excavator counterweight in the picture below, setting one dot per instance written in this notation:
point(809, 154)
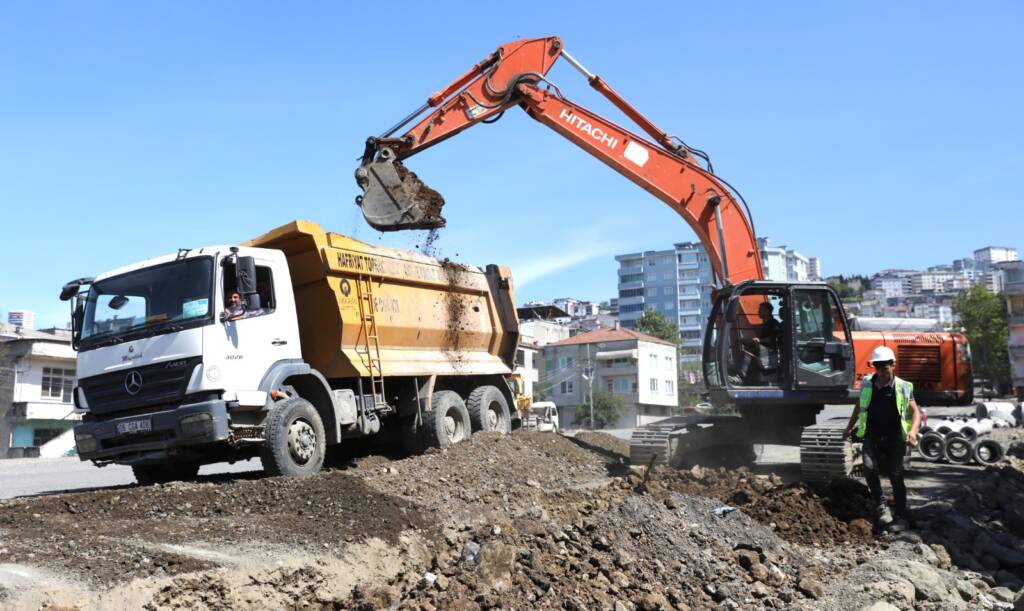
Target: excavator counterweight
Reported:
point(395, 199)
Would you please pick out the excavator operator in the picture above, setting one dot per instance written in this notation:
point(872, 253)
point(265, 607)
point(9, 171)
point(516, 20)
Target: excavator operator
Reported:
point(760, 356)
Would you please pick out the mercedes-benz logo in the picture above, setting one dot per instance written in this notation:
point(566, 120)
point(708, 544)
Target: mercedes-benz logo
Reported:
point(133, 383)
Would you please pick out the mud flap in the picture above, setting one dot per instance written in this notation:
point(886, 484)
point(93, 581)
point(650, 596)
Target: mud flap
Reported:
point(395, 199)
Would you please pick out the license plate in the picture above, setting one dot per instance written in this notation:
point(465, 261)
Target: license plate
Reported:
point(142, 425)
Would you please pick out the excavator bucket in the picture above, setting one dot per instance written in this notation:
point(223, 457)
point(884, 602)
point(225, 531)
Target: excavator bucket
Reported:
point(394, 198)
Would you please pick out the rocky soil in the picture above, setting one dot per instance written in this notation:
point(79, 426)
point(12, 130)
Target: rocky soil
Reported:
point(529, 520)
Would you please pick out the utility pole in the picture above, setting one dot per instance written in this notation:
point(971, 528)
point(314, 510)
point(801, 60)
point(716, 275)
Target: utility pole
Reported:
point(589, 377)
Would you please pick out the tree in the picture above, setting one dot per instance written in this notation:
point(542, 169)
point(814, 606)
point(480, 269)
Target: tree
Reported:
point(983, 316)
point(653, 323)
point(607, 408)
point(690, 385)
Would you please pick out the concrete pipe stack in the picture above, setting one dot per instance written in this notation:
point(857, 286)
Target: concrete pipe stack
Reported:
point(959, 440)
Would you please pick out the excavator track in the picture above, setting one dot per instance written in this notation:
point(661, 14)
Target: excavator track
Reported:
point(650, 442)
point(824, 454)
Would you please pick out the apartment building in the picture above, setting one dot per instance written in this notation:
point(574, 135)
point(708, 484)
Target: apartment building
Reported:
point(37, 375)
point(639, 368)
point(1013, 276)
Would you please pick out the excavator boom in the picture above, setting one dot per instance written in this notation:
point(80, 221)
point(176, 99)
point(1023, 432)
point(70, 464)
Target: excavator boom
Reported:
point(394, 198)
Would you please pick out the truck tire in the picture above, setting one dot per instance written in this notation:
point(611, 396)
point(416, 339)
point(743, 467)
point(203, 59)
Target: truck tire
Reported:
point(488, 410)
point(295, 442)
point(448, 421)
point(161, 473)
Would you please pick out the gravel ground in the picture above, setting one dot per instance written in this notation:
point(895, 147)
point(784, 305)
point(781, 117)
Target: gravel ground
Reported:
point(528, 520)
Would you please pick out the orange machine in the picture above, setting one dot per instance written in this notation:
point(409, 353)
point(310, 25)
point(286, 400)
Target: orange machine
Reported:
point(812, 361)
point(669, 169)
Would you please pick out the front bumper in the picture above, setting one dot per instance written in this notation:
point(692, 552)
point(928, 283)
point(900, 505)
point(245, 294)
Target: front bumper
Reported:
point(170, 430)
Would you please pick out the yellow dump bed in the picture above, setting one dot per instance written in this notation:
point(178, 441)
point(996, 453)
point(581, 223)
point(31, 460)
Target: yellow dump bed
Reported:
point(431, 316)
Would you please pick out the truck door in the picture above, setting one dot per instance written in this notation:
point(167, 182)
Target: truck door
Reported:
point(822, 344)
point(261, 336)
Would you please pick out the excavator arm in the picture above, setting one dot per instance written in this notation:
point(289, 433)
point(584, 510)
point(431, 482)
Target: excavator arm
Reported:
point(515, 75)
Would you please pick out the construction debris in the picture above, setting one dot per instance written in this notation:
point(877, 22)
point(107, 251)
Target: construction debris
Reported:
point(520, 521)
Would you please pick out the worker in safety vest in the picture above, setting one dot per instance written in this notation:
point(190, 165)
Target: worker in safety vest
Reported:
point(887, 419)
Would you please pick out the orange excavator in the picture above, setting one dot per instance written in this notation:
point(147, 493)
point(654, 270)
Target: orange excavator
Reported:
point(778, 384)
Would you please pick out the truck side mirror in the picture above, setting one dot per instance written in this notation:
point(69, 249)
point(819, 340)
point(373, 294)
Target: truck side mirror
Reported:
point(245, 282)
point(77, 317)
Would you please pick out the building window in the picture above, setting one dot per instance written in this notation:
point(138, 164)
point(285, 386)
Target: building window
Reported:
point(626, 293)
point(41, 436)
point(624, 278)
point(650, 262)
point(566, 387)
point(669, 387)
point(636, 386)
point(654, 360)
point(631, 307)
point(549, 363)
point(668, 362)
point(654, 384)
point(521, 357)
point(565, 362)
point(57, 383)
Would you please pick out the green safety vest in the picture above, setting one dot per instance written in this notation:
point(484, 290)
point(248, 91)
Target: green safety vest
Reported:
point(904, 394)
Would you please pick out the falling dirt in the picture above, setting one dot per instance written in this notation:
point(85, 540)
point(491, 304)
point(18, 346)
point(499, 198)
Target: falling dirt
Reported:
point(429, 246)
point(455, 318)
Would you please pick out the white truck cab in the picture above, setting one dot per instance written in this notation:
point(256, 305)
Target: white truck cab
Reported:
point(161, 362)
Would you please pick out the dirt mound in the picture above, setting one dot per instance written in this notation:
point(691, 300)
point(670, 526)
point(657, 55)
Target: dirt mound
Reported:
point(607, 546)
point(799, 513)
point(101, 536)
point(614, 449)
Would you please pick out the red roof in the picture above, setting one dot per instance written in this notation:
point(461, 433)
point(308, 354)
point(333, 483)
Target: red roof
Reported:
point(610, 335)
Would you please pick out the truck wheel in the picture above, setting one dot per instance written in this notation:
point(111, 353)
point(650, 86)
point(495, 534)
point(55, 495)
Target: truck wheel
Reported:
point(295, 443)
point(150, 474)
point(488, 410)
point(448, 422)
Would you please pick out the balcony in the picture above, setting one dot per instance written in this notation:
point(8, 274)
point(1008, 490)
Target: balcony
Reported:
point(38, 410)
point(1015, 319)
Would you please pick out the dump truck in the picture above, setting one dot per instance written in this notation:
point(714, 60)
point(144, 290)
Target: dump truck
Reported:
point(284, 345)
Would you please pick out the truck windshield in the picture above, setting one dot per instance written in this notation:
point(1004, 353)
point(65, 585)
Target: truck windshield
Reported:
point(150, 301)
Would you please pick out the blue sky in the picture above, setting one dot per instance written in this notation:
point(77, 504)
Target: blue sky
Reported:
point(872, 135)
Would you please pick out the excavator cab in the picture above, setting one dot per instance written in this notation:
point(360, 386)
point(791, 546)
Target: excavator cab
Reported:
point(772, 341)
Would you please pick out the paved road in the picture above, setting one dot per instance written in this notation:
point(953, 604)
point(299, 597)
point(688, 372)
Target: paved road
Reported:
point(32, 476)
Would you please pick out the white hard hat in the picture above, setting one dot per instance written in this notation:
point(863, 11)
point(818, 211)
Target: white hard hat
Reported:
point(882, 354)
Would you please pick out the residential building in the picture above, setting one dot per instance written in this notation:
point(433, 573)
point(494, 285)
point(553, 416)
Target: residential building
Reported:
point(675, 283)
point(893, 285)
point(543, 324)
point(639, 368)
point(37, 376)
point(932, 280)
point(1013, 274)
point(783, 264)
point(576, 308)
point(986, 258)
point(528, 366)
point(814, 269)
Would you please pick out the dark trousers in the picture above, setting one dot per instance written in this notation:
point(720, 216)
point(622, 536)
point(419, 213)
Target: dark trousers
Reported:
point(885, 455)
